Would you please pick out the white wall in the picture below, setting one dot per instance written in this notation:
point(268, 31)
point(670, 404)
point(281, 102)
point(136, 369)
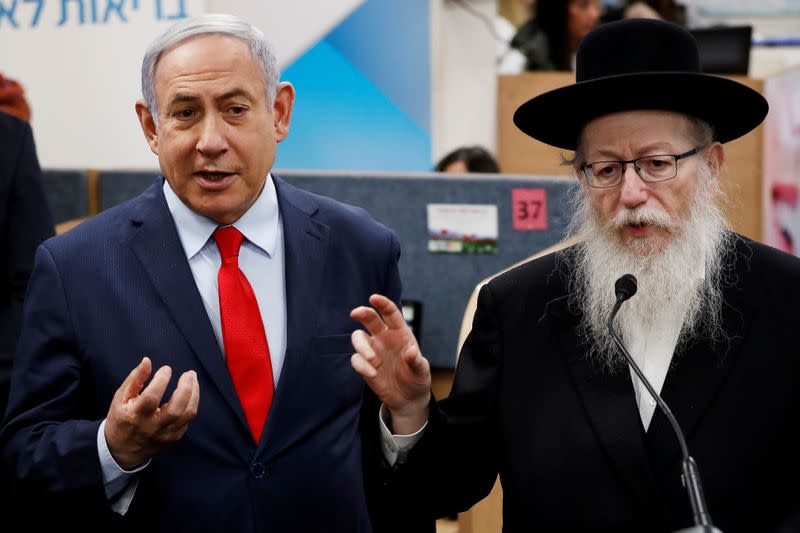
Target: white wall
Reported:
point(82, 76)
point(463, 78)
point(82, 80)
point(292, 27)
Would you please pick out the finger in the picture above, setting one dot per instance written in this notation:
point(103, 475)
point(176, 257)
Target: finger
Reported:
point(194, 400)
point(369, 318)
point(417, 363)
point(389, 312)
point(149, 400)
point(190, 410)
point(174, 408)
point(133, 384)
point(361, 343)
point(361, 366)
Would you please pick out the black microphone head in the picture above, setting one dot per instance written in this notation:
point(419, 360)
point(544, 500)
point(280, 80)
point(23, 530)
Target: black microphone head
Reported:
point(625, 287)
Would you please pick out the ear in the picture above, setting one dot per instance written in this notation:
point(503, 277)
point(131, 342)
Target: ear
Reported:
point(716, 158)
point(148, 125)
point(282, 110)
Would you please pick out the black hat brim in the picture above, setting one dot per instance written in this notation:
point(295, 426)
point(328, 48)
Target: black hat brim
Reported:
point(558, 116)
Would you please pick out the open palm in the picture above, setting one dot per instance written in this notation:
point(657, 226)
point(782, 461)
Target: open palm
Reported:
point(389, 359)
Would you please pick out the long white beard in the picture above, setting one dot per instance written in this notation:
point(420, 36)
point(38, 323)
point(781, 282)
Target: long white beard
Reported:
point(685, 271)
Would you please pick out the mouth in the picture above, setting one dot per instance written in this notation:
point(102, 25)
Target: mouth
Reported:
point(213, 179)
point(212, 175)
point(638, 229)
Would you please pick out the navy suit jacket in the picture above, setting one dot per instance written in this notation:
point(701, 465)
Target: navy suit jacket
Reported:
point(119, 287)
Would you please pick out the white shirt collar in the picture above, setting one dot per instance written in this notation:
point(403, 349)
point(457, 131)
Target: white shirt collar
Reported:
point(259, 224)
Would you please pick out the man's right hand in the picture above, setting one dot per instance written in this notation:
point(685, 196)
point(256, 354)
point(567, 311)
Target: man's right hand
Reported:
point(389, 360)
point(137, 425)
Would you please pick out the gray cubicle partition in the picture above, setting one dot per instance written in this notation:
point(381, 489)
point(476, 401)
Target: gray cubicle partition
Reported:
point(442, 282)
point(118, 186)
point(67, 194)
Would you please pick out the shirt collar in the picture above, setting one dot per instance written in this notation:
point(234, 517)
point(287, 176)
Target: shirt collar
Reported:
point(259, 224)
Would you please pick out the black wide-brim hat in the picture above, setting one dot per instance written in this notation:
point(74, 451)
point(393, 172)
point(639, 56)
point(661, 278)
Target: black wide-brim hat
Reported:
point(642, 64)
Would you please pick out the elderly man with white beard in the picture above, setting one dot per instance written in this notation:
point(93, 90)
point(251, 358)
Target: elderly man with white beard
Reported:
point(543, 396)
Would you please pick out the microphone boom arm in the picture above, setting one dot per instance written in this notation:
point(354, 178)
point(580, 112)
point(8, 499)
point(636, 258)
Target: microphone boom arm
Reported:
point(691, 475)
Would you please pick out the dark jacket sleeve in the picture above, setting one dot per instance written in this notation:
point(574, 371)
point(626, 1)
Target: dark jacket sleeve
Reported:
point(392, 508)
point(25, 222)
point(454, 465)
point(50, 452)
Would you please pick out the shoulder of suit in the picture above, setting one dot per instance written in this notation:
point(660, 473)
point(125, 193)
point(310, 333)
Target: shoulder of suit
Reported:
point(114, 224)
point(11, 125)
point(766, 261)
point(547, 272)
point(12, 133)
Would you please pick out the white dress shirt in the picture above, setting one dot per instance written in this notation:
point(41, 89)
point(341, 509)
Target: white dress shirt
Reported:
point(652, 351)
point(260, 259)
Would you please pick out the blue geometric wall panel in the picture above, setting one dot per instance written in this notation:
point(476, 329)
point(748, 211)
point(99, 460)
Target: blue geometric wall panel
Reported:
point(388, 40)
point(363, 93)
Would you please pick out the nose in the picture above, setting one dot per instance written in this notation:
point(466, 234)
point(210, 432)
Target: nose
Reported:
point(634, 190)
point(212, 141)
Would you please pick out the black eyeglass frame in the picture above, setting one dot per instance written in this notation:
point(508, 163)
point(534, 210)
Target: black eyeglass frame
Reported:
point(676, 157)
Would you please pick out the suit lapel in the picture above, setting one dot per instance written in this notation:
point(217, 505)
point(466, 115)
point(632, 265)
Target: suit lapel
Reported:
point(698, 374)
point(608, 399)
point(305, 248)
point(691, 386)
point(611, 408)
point(157, 246)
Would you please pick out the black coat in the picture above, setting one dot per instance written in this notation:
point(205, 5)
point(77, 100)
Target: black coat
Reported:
point(566, 437)
point(25, 222)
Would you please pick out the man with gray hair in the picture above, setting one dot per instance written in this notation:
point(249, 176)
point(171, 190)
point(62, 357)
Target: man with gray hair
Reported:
point(543, 396)
point(184, 357)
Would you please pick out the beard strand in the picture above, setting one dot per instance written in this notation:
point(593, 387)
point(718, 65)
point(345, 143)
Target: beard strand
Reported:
point(680, 274)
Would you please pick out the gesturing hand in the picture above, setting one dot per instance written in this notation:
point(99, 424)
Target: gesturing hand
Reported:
point(389, 360)
point(137, 425)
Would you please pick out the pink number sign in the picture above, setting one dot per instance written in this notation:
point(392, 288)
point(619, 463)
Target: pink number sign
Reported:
point(529, 209)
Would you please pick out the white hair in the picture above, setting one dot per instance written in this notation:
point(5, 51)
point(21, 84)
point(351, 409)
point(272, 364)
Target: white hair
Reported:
point(219, 24)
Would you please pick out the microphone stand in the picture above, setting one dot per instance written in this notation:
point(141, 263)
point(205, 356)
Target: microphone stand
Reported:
point(691, 475)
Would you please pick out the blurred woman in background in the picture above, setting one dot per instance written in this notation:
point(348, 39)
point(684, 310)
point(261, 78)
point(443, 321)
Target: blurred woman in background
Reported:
point(468, 159)
point(550, 38)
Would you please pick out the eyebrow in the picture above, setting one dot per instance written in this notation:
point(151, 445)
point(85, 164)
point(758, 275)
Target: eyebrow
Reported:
point(182, 98)
point(234, 93)
point(189, 98)
point(655, 148)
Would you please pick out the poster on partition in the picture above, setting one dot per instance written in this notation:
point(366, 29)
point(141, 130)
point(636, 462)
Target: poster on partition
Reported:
point(462, 228)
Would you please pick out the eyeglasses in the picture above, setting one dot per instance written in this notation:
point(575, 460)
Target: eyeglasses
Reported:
point(652, 168)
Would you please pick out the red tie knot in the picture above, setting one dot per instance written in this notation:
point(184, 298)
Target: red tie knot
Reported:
point(229, 240)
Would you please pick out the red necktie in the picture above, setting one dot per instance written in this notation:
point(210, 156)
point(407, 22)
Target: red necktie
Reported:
point(246, 348)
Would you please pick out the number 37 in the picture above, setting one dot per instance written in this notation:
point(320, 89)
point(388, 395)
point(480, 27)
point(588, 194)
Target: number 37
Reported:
point(529, 209)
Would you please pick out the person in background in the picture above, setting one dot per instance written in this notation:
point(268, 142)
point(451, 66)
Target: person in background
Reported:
point(12, 99)
point(468, 159)
point(183, 363)
point(542, 394)
point(549, 39)
point(25, 222)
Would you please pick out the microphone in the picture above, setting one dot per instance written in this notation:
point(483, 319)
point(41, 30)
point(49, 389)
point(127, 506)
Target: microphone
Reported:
point(624, 288)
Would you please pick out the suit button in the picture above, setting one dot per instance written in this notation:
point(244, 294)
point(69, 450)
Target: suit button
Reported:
point(258, 470)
